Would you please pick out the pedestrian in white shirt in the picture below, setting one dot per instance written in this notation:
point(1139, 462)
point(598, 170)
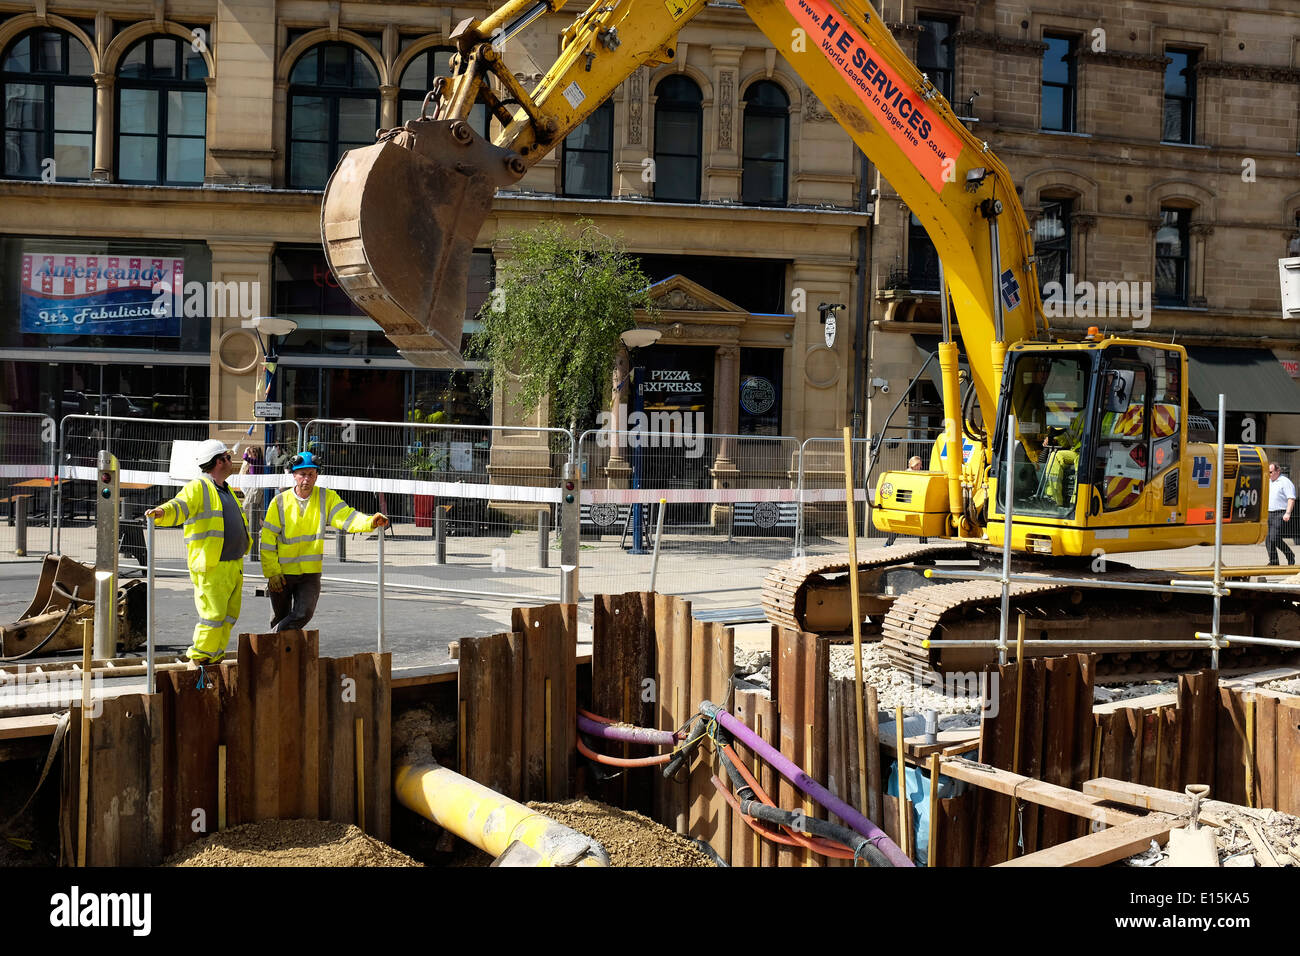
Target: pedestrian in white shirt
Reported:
point(1281, 502)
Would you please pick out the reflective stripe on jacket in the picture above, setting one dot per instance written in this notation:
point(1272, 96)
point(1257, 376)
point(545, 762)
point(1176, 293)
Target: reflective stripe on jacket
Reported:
point(293, 539)
point(197, 506)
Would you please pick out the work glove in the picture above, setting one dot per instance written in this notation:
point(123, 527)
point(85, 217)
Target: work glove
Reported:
point(379, 521)
point(276, 583)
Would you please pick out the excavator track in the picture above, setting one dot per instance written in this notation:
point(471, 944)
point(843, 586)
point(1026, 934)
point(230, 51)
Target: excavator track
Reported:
point(912, 610)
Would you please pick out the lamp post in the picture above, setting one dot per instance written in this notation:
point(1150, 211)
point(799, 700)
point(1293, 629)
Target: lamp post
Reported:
point(272, 326)
point(634, 339)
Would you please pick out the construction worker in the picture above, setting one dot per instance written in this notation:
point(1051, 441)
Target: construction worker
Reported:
point(293, 541)
point(216, 540)
point(913, 464)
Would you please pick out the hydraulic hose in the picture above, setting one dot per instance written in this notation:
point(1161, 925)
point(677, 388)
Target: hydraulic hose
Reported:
point(801, 780)
point(622, 761)
point(625, 733)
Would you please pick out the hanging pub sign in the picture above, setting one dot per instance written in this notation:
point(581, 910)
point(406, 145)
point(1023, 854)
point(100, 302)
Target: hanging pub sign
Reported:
point(101, 294)
point(830, 330)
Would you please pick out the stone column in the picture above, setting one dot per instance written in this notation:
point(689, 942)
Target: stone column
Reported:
point(1083, 225)
point(389, 116)
point(726, 392)
point(103, 126)
point(618, 470)
point(1199, 234)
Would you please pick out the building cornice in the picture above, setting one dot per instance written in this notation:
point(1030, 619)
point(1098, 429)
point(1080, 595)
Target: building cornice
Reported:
point(992, 41)
point(1137, 61)
point(1249, 71)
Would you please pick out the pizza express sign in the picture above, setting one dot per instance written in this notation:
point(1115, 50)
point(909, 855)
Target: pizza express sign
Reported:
point(664, 383)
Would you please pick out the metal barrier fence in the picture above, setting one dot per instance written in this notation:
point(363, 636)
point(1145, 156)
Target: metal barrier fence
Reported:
point(473, 507)
point(143, 448)
point(28, 455)
point(730, 510)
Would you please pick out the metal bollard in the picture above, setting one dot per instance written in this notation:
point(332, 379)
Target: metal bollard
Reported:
point(543, 539)
point(440, 534)
point(340, 545)
point(19, 512)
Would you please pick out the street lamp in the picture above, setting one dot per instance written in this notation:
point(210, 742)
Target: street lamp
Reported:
point(637, 338)
point(272, 326)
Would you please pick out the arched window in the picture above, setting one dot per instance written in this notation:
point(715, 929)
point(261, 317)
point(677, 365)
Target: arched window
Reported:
point(766, 145)
point(49, 106)
point(333, 107)
point(589, 155)
point(162, 113)
point(417, 80)
point(1173, 252)
point(678, 140)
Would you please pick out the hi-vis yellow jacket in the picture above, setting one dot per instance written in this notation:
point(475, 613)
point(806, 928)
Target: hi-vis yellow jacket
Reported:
point(198, 507)
point(293, 539)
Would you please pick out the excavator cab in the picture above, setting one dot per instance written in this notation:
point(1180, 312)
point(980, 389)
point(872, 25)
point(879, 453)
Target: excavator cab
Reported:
point(1101, 455)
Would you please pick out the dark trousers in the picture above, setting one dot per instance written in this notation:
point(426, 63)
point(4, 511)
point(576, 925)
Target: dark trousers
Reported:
point(1275, 542)
point(294, 604)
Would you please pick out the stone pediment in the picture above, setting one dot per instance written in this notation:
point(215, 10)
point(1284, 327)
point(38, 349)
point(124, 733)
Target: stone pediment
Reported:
point(679, 294)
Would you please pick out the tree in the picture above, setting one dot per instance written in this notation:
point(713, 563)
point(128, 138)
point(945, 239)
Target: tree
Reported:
point(559, 304)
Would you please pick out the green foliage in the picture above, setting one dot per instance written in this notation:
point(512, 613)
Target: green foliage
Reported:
point(562, 299)
point(422, 462)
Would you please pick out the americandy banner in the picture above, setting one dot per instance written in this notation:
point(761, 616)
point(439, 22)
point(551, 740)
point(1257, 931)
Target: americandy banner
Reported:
point(100, 295)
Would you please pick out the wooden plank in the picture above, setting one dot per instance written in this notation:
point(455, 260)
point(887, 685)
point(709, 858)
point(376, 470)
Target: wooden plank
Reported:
point(237, 738)
point(338, 692)
point(1062, 676)
point(997, 733)
point(191, 718)
point(1035, 791)
point(34, 725)
point(1198, 704)
point(1265, 755)
point(1031, 752)
point(1288, 756)
point(489, 687)
point(564, 705)
point(1105, 846)
point(1153, 798)
point(548, 662)
point(956, 828)
point(126, 793)
point(672, 683)
point(872, 707)
point(1081, 749)
point(1229, 782)
point(801, 702)
point(622, 660)
point(1150, 739)
point(711, 666)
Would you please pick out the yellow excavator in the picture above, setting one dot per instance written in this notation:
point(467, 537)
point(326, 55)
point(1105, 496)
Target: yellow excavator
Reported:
point(1105, 456)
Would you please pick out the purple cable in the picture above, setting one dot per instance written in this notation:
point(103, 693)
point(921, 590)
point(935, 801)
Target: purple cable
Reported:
point(791, 772)
point(631, 735)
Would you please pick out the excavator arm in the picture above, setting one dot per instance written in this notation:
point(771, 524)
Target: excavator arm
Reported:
point(400, 218)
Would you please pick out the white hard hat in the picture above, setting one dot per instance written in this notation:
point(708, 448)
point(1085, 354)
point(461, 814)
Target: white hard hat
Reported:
point(209, 450)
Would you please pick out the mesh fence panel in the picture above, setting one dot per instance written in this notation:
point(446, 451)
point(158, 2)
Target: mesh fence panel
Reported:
point(731, 512)
point(28, 453)
point(143, 448)
point(491, 493)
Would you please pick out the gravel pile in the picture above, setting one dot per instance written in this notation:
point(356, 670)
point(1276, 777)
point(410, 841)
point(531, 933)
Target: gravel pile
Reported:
point(1280, 832)
point(290, 843)
point(1289, 685)
point(629, 838)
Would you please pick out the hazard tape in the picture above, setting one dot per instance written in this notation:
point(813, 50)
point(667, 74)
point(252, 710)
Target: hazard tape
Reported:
point(26, 471)
point(705, 496)
point(391, 486)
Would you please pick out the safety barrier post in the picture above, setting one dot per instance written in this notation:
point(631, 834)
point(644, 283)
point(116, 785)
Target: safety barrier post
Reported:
point(18, 509)
point(1216, 635)
point(570, 529)
point(440, 534)
point(341, 545)
point(543, 538)
point(379, 593)
point(149, 604)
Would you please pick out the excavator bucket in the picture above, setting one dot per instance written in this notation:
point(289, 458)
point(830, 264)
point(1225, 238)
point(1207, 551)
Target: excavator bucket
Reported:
point(399, 222)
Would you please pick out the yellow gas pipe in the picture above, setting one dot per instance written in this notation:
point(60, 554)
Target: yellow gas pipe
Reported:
point(487, 819)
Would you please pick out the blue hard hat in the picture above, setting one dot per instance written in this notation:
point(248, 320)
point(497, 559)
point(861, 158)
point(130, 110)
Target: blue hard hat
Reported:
point(304, 460)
